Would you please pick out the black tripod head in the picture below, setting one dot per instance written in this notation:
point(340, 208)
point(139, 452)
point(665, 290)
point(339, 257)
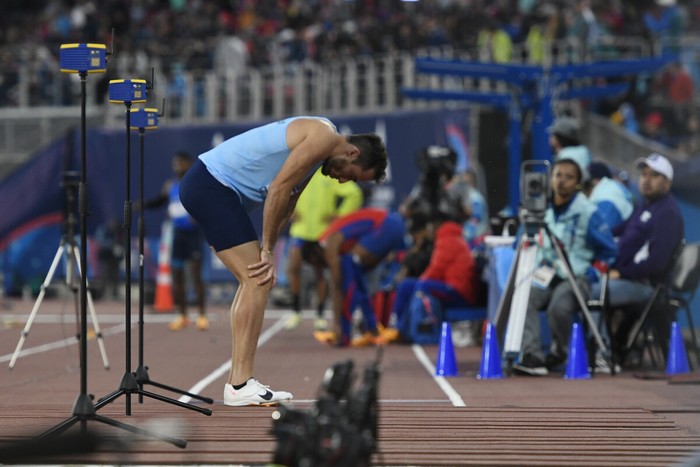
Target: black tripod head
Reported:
point(534, 194)
point(70, 182)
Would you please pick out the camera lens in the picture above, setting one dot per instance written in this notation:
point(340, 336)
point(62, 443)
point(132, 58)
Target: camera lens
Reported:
point(535, 186)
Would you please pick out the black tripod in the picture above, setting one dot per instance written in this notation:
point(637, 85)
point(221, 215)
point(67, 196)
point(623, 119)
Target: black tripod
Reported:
point(83, 408)
point(129, 385)
point(142, 377)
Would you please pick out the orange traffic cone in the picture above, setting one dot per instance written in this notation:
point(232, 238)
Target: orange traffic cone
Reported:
point(163, 301)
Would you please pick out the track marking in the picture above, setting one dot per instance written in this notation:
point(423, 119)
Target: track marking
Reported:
point(60, 344)
point(440, 380)
point(214, 375)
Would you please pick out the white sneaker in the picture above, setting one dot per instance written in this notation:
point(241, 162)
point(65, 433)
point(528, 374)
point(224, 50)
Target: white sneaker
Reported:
point(602, 365)
point(254, 393)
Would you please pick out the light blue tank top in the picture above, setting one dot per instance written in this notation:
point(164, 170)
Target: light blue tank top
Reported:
point(247, 163)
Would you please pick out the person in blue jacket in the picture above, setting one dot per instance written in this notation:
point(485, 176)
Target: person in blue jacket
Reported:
point(267, 166)
point(613, 199)
point(586, 239)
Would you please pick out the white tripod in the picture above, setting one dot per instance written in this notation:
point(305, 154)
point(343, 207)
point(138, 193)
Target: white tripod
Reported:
point(67, 249)
point(512, 307)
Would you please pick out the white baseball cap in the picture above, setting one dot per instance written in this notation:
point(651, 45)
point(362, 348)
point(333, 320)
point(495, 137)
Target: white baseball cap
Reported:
point(657, 163)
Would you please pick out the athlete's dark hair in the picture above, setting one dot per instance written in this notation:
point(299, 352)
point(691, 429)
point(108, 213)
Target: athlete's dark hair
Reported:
point(372, 153)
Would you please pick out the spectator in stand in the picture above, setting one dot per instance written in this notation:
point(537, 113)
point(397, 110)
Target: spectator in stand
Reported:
point(419, 251)
point(584, 25)
point(677, 85)
point(654, 129)
point(646, 242)
point(494, 43)
point(663, 21)
point(322, 201)
point(189, 32)
point(626, 117)
point(613, 199)
point(565, 140)
point(577, 225)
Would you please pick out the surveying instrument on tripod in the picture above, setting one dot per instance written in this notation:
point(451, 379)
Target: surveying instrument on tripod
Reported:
point(67, 252)
point(525, 271)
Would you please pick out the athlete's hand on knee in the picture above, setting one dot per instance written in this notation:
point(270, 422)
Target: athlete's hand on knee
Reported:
point(264, 267)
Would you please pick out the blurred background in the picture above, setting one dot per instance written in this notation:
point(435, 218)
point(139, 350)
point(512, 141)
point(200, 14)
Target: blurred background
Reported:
point(222, 67)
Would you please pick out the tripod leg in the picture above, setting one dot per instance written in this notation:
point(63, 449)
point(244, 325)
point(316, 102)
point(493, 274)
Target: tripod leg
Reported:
point(93, 316)
point(184, 405)
point(504, 303)
point(37, 304)
point(512, 345)
point(208, 400)
point(63, 426)
point(577, 292)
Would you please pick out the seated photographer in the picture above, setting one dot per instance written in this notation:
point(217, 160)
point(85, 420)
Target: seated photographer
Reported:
point(450, 276)
point(647, 241)
point(353, 245)
point(437, 185)
point(580, 230)
point(419, 251)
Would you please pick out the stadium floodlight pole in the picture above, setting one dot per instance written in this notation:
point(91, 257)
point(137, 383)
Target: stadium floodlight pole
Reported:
point(141, 120)
point(84, 59)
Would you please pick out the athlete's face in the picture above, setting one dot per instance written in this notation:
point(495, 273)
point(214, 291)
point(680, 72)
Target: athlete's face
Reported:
point(343, 170)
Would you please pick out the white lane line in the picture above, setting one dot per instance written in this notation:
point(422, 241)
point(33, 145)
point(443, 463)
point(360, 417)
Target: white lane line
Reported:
point(109, 318)
point(446, 387)
point(60, 344)
point(214, 375)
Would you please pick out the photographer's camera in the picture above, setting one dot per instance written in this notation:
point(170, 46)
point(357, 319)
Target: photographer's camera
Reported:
point(339, 430)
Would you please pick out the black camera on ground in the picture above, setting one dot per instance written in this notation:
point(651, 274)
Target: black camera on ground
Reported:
point(340, 429)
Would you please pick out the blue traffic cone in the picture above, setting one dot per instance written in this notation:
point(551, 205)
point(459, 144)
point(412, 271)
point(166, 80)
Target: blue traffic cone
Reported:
point(490, 367)
point(677, 362)
point(577, 364)
point(446, 362)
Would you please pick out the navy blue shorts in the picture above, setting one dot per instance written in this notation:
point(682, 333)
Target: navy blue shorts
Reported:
point(216, 208)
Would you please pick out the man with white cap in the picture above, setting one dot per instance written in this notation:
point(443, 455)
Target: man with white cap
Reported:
point(647, 240)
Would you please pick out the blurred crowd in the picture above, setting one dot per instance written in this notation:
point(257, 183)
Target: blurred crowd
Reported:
point(191, 33)
point(204, 35)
